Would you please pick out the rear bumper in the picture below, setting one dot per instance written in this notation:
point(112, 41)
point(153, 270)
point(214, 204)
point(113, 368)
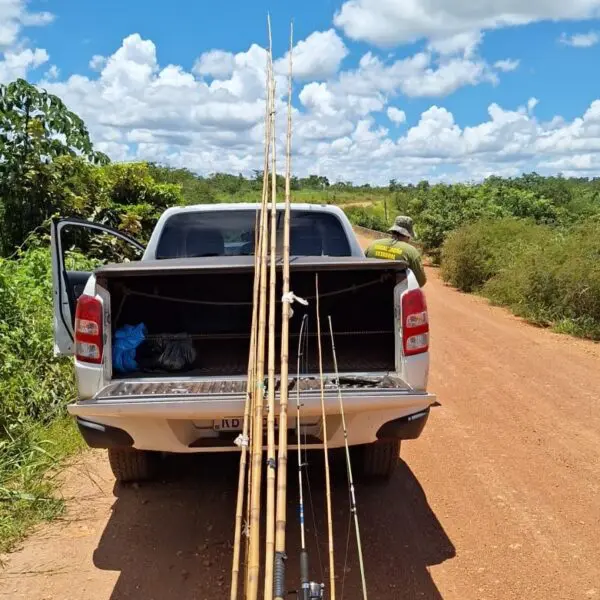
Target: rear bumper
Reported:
point(198, 407)
point(97, 435)
point(185, 425)
point(405, 428)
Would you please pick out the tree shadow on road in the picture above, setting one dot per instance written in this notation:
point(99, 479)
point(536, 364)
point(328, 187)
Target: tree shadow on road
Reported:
point(171, 540)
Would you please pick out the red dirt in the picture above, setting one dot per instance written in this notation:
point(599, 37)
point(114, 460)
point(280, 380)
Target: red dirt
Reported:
point(497, 500)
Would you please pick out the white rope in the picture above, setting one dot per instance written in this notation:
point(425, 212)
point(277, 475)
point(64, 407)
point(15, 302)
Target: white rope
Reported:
point(290, 298)
point(242, 441)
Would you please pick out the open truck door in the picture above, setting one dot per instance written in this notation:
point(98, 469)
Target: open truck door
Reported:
point(68, 285)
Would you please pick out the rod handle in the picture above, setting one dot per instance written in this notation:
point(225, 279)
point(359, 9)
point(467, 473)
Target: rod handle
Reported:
point(279, 576)
point(304, 578)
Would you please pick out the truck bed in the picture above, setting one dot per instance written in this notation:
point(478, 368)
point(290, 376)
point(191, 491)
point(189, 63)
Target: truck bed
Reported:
point(210, 301)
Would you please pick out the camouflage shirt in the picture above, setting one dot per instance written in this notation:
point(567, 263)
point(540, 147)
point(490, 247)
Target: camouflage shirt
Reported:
point(392, 249)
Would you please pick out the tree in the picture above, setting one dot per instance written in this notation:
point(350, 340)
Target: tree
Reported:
point(315, 182)
point(36, 128)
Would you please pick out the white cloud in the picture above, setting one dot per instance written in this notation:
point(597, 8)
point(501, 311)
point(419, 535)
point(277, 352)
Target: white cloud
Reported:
point(17, 64)
point(447, 78)
point(580, 40)
point(367, 88)
point(317, 57)
point(389, 22)
point(396, 115)
point(215, 63)
point(52, 73)
point(13, 17)
point(137, 108)
point(248, 75)
point(16, 59)
point(97, 62)
point(506, 65)
point(577, 162)
point(466, 42)
point(532, 103)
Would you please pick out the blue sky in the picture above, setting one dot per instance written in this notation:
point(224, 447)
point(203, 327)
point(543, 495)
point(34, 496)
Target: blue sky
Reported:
point(443, 63)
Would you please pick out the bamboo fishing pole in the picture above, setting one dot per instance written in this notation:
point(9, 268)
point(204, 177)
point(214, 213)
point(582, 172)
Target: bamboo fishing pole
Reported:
point(271, 465)
point(259, 241)
point(246, 437)
point(253, 566)
point(243, 441)
point(353, 505)
point(325, 450)
point(280, 523)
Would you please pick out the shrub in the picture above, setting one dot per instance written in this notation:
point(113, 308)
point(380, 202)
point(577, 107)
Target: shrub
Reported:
point(556, 285)
point(35, 387)
point(548, 276)
point(477, 252)
point(447, 208)
point(366, 217)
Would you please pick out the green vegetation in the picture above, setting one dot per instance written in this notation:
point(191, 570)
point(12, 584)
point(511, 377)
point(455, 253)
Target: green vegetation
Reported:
point(27, 470)
point(549, 276)
point(531, 243)
point(34, 387)
point(35, 129)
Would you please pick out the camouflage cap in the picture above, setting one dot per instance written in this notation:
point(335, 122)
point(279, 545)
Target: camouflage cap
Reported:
point(404, 226)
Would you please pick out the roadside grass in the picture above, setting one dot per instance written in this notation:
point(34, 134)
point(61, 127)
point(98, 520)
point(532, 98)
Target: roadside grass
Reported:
point(371, 216)
point(548, 276)
point(29, 464)
point(35, 387)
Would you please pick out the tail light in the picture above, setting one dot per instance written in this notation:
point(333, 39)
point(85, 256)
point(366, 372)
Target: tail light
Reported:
point(88, 330)
point(415, 323)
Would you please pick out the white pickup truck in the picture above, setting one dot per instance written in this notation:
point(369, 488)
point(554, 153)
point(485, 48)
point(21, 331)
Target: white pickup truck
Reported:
point(195, 279)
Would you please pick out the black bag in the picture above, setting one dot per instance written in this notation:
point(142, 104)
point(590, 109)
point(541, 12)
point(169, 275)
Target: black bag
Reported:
point(167, 353)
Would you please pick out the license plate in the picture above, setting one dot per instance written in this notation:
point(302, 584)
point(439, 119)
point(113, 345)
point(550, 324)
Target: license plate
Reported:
point(237, 424)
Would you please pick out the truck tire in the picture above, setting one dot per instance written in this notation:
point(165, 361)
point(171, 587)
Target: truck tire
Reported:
point(130, 465)
point(380, 459)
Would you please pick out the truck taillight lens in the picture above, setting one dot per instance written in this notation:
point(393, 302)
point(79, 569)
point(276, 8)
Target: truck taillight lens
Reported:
point(415, 323)
point(88, 330)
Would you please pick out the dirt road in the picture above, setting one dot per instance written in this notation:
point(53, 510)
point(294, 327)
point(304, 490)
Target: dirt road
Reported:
point(498, 500)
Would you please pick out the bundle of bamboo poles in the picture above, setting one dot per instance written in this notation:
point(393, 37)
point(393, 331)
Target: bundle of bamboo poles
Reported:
point(251, 439)
point(262, 352)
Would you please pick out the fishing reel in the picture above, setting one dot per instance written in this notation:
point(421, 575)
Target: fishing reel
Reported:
point(315, 590)
point(310, 591)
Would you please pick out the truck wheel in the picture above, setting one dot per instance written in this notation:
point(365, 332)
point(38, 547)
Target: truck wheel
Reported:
point(130, 465)
point(380, 459)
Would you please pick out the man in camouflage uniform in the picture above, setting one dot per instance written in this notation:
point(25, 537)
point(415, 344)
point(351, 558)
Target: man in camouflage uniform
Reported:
point(398, 247)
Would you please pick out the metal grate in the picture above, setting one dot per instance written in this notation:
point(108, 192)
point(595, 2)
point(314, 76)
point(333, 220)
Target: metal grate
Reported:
point(226, 387)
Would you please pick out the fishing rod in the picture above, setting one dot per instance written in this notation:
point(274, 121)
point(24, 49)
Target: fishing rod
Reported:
point(325, 450)
point(286, 313)
point(353, 506)
point(253, 564)
point(309, 590)
point(271, 464)
point(244, 440)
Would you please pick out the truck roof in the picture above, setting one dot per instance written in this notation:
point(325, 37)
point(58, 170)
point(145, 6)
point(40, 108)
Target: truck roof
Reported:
point(251, 206)
point(329, 208)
